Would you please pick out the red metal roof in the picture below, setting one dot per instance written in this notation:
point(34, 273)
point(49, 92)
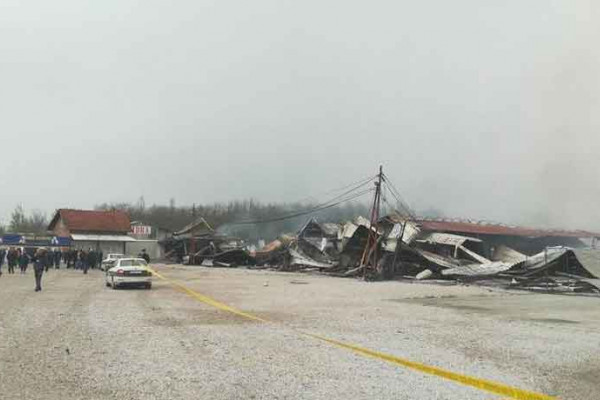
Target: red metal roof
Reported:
point(498, 229)
point(93, 221)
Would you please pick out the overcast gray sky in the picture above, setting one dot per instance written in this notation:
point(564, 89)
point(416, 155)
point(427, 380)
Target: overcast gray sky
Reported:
point(486, 109)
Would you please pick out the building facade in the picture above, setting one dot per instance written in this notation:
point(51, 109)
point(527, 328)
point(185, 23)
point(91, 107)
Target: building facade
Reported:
point(105, 231)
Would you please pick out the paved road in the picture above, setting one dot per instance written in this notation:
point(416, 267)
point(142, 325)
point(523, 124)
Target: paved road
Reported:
point(80, 340)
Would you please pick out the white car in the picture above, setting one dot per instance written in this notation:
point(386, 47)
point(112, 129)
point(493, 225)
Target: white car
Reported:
point(129, 272)
point(110, 260)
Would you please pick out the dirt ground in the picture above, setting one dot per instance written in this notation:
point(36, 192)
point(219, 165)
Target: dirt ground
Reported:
point(79, 339)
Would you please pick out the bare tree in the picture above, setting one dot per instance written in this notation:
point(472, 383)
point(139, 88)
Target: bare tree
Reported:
point(35, 223)
point(17, 219)
point(38, 221)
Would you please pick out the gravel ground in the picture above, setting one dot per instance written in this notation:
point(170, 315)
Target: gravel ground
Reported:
point(80, 340)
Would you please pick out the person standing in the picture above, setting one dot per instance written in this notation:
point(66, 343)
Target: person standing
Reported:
point(11, 260)
point(57, 258)
point(91, 259)
point(48, 260)
point(145, 256)
point(79, 259)
point(23, 261)
point(2, 255)
point(38, 267)
point(84, 261)
point(71, 258)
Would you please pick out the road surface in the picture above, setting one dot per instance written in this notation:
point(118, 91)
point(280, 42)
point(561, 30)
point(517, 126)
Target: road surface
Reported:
point(78, 339)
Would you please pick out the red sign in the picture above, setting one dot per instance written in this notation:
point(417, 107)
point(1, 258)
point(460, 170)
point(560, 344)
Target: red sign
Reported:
point(141, 230)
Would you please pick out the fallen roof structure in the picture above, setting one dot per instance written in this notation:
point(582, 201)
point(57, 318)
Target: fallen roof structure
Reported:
point(411, 250)
point(495, 229)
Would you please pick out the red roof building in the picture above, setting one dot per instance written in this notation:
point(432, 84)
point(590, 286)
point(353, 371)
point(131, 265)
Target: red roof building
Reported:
point(102, 230)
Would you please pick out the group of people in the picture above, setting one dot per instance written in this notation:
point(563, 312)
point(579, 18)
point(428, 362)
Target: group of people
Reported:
point(22, 257)
point(43, 259)
point(14, 258)
point(83, 260)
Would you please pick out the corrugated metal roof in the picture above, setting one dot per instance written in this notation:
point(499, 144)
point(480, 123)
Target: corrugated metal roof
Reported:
point(92, 220)
point(301, 259)
point(484, 228)
point(506, 254)
point(198, 226)
point(438, 259)
point(331, 229)
point(590, 259)
point(486, 269)
point(446, 238)
point(549, 255)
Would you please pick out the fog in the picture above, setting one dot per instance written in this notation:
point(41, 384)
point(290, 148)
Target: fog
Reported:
point(479, 109)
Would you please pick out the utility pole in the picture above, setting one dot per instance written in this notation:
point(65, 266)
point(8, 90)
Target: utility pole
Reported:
point(370, 257)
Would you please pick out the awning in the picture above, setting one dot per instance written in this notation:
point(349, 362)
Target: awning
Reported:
point(102, 238)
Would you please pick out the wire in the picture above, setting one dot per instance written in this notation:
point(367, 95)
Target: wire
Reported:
point(351, 194)
point(400, 200)
point(359, 182)
point(344, 197)
point(305, 212)
point(396, 193)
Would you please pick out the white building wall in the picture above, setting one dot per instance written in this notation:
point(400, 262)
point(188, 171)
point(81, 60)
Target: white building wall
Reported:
point(105, 247)
point(151, 246)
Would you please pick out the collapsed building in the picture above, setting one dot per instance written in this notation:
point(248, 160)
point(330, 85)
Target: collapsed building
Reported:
point(199, 244)
point(465, 251)
point(415, 249)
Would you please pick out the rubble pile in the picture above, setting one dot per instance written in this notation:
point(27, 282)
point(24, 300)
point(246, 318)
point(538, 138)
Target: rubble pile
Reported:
point(413, 249)
point(199, 244)
point(539, 260)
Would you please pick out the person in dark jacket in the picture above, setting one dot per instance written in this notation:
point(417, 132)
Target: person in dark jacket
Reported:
point(23, 262)
point(144, 255)
point(38, 267)
point(91, 259)
point(57, 258)
point(12, 258)
point(79, 257)
point(48, 260)
point(71, 258)
point(2, 255)
point(83, 257)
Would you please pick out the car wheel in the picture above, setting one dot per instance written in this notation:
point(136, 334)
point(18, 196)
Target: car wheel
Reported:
point(148, 286)
point(107, 284)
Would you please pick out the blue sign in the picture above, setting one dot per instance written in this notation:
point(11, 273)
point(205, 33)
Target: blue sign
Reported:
point(20, 240)
point(61, 241)
point(13, 240)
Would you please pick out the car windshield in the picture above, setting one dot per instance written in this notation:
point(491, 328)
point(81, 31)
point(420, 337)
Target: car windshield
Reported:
point(132, 263)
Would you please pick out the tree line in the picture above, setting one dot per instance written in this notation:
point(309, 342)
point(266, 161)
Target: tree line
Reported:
point(34, 222)
point(224, 217)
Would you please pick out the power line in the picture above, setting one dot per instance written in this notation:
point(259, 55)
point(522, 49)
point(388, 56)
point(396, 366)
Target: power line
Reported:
point(344, 197)
point(400, 200)
point(359, 182)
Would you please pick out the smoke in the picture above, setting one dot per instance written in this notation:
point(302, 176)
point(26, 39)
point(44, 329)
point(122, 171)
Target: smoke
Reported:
point(565, 151)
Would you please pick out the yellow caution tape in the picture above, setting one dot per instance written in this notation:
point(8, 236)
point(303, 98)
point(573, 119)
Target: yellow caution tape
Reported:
point(482, 384)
